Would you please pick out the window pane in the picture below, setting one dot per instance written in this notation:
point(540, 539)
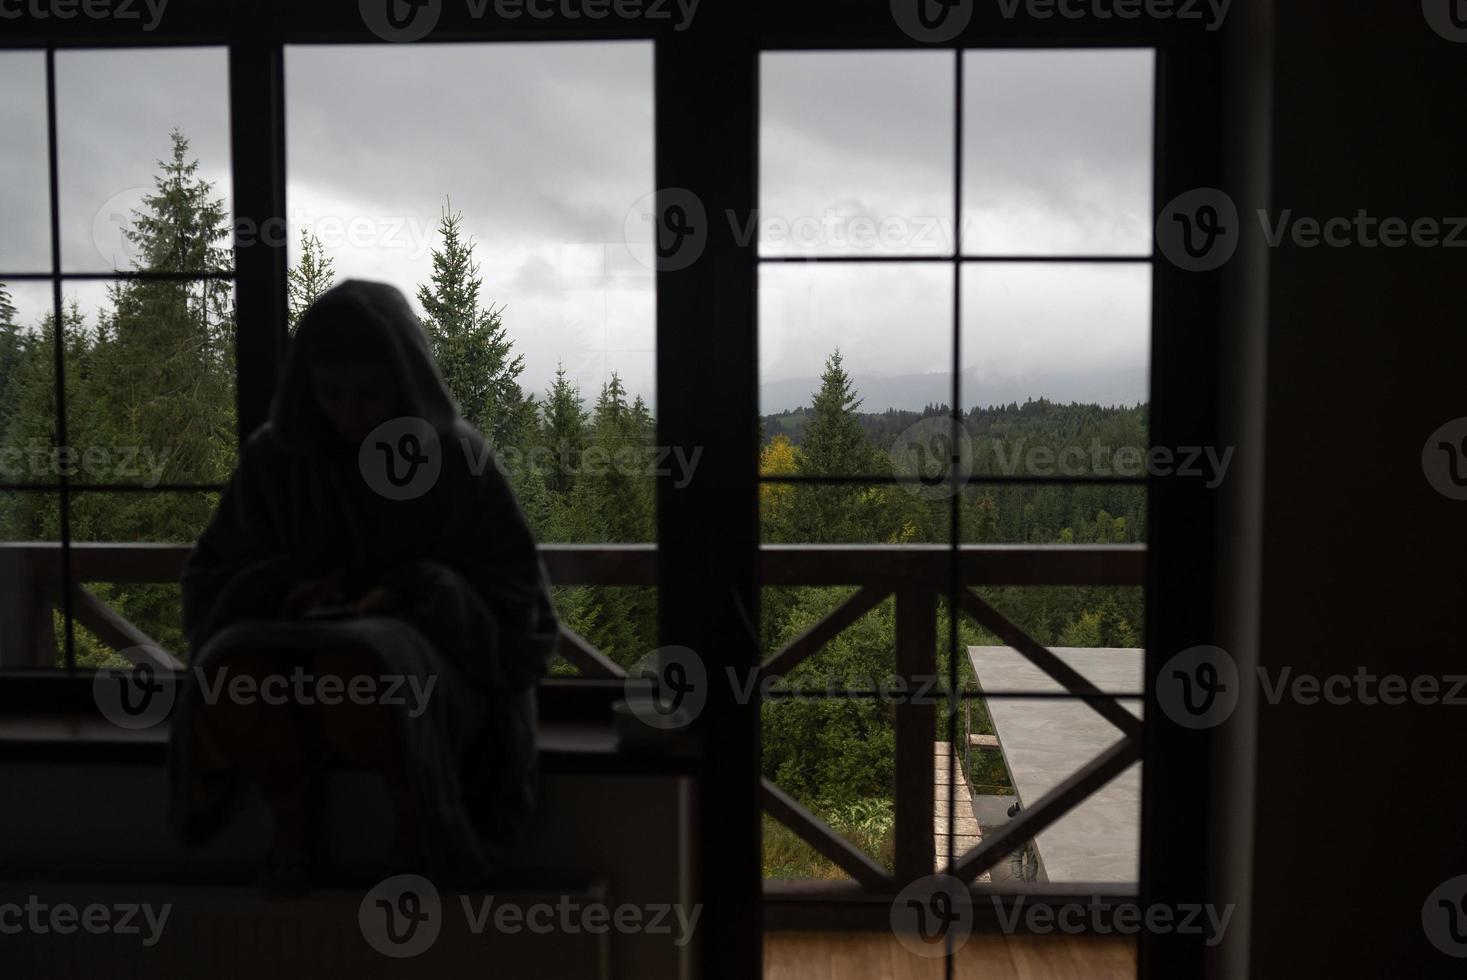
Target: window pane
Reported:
point(810, 313)
point(27, 383)
point(1027, 746)
point(144, 130)
point(838, 758)
point(151, 382)
point(856, 153)
point(25, 211)
point(542, 151)
point(1066, 332)
point(506, 209)
point(154, 608)
point(1057, 152)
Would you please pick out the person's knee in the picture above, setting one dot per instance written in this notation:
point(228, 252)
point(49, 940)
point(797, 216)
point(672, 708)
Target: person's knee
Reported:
point(242, 700)
point(356, 723)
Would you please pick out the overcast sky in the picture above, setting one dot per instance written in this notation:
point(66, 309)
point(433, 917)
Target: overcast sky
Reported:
point(547, 151)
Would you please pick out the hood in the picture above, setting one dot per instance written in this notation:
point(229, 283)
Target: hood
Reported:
point(373, 317)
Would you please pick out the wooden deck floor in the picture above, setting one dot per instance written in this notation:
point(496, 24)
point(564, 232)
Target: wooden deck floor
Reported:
point(877, 956)
point(948, 774)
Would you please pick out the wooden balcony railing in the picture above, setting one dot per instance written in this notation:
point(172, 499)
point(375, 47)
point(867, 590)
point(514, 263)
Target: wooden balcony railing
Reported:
point(916, 575)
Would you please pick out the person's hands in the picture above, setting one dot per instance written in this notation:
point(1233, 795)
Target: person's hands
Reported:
point(380, 599)
point(313, 592)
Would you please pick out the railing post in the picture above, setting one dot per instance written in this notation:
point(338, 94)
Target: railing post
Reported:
point(916, 725)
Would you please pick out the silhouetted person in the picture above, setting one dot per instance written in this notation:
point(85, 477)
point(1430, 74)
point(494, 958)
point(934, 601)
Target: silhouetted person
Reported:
point(328, 558)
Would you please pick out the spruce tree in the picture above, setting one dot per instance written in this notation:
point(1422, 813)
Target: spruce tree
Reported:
point(565, 432)
point(12, 345)
point(308, 280)
point(834, 444)
point(166, 350)
point(470, 342)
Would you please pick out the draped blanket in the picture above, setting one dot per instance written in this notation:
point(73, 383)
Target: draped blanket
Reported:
point(303, 503)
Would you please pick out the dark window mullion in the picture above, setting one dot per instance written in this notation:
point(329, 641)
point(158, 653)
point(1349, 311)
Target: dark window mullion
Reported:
point(59, 379)
point(954, 463)
point(257, 158)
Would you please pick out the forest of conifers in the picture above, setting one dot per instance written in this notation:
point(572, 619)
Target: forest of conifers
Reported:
point(150, 381)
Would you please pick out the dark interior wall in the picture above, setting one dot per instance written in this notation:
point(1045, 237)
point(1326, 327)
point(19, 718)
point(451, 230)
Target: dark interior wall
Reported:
point(1346, 557)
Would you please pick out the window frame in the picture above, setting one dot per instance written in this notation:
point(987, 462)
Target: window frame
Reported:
point(706, 125)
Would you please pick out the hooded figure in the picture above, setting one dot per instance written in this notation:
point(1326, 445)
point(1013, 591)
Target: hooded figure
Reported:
point(408, 551)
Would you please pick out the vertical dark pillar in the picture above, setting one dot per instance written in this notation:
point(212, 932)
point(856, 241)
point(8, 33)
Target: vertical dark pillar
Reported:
point(707, 399)
point(1178, 809)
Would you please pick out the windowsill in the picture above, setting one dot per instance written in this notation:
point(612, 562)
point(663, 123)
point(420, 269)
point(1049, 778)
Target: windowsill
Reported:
point(78, 739)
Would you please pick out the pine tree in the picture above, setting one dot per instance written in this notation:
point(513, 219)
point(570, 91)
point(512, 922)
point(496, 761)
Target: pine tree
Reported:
point(834, 444)
point(12, 349)
point(565, 432)
point(611, 499)
point(167, 349)
point(308, 280)
point(471, 344)
point(619, 469)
